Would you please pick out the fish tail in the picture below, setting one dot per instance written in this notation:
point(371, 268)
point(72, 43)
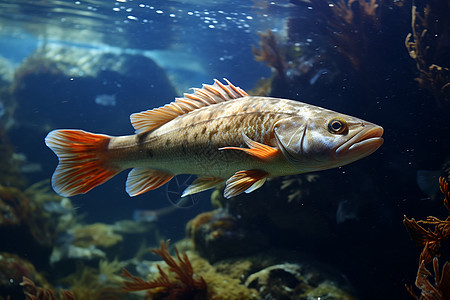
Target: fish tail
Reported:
point(83, 162)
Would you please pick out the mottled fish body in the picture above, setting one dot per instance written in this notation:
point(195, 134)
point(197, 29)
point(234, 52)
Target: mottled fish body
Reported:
point(218, 133)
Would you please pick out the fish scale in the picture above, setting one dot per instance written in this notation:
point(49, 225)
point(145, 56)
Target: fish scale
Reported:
point(219, 133)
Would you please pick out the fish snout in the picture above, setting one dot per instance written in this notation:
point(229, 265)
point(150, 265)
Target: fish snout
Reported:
point(362, 144)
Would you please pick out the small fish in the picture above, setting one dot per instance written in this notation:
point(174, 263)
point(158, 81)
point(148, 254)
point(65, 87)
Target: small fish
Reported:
point(319, 73)
point(56, 208)
point(152, 215)
point(428, 182)
point(106, 100)
point(347, 210)
point(219, 133)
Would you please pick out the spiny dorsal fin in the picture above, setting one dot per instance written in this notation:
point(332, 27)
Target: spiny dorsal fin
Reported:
point(207, 95)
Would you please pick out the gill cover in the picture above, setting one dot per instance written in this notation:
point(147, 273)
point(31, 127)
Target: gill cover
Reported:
point(290, 134)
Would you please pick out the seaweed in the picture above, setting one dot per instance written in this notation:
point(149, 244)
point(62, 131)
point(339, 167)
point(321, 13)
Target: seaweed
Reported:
point(425, 52)
point(270, 53)
point(37, 293)
point(431, 240)
point(350, 25)
point(185, 286)
point(91, 283)
point(440, 290)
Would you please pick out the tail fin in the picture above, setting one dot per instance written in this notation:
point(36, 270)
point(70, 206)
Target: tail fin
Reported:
point(82, 161)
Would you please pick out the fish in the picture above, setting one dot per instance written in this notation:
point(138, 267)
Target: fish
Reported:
point(218, 133)
point(347, 210)
point(105, 100)
point(153, 215)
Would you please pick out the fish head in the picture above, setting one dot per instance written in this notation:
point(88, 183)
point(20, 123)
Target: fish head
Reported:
point(326, 139)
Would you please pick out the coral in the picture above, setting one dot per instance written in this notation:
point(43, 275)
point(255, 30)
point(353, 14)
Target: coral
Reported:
point(431, 240)
point(37, 293)
point(224, 280)
point(50, 214)
point(12, 269)
point(109, 272)
point(185, 286)
point(432, 77)
point(440, 290)
point(14, 206)
point(88, 283)
point(97, 234)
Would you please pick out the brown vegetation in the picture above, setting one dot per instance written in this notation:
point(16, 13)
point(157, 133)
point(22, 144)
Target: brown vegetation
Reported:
point(429, 234)
point(185, 286)
point(37, 293)
point(434, 78)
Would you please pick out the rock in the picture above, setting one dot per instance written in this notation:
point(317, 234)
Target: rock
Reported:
point(216, 234)
point(296, 281)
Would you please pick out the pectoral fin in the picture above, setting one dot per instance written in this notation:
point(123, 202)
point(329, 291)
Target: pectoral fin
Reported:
point(244, 181)
point(256, 149)
point(202, 184)
point(141, 180)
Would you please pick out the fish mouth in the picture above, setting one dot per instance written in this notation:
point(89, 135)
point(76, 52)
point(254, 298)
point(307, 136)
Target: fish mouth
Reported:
point(363, 143)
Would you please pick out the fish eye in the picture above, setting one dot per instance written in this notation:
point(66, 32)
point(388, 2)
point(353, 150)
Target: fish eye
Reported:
point(337, 126)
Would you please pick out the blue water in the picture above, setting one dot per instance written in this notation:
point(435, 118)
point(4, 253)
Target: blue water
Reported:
point(168, 47)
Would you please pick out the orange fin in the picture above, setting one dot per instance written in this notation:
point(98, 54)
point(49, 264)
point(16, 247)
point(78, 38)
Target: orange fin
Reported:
point(244, 181)
point(82, 163)
point(256, 149)
point(208, 95)
point(202, 184)
point(141, 180)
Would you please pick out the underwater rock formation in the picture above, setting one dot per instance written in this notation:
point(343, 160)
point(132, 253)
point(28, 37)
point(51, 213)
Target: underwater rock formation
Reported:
point(12, 269)
point(71, 80)
point(295, 281)
point(261, 275)
point(64, 86)
point(256, 223)
point(216, 233)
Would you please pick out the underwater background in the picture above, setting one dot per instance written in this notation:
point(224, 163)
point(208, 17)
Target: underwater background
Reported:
point(361, 231)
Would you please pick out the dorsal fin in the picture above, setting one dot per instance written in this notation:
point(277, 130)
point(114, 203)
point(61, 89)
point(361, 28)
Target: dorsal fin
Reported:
point(207, 95)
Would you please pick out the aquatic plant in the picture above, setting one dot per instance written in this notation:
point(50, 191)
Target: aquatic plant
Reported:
point(97, 234)
point(431, 240)
point(37, 293)
point(109, 272)
point(440, 290)
point(185, 286)
point(433, 77)
point(349, 26)
point(50, 214)
point(270, 53)
point(10, 174)
point(90, 283)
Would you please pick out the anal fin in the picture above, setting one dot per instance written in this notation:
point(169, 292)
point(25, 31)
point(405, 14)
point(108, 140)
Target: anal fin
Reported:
point(244, 181)
point(141, 180)
point(259, 150)
point(202, 184)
